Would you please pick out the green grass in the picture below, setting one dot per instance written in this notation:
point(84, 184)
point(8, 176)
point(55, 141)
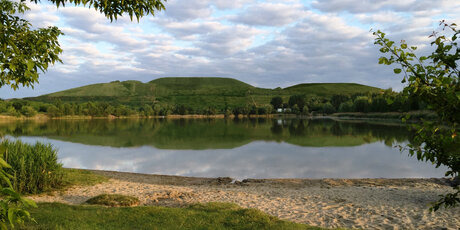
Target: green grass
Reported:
point(34, 168)
point(196, 92)
point(200, 216)
point(329, 89)
point(411, 116)
point(81, 177)
point(114, 200)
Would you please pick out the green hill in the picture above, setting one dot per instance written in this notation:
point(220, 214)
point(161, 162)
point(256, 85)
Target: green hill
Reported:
point(196, 92)
point(329, 89)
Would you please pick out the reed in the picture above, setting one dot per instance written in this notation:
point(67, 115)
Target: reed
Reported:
point(35, 168)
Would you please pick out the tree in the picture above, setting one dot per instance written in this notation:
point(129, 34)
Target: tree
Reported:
point(25, 52)
point(338, 99)
point(277, 102)
point(328, 108)
point(298, 100)
point(434, 80)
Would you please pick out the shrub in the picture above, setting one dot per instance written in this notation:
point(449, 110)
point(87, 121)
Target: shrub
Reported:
point(328, 108)
point(28, 111)
point(114, 200)
point(34, 167)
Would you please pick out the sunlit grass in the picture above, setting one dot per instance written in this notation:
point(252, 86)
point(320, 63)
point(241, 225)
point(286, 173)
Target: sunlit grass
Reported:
point(199, 216)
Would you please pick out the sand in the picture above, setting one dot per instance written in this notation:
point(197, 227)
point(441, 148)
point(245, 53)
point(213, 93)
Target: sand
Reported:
point(349, 203)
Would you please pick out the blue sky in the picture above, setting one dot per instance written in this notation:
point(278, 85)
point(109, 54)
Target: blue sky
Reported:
point(267, 43)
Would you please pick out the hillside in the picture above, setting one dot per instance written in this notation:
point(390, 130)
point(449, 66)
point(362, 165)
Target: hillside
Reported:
point(195, 92)
point(329, 89)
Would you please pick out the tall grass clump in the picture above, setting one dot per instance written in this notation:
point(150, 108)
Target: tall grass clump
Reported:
point(34, 168)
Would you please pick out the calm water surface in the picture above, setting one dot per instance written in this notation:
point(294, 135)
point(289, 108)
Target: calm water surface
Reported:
point(245, 148)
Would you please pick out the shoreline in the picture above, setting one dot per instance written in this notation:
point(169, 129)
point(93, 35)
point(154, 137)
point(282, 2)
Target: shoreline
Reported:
point(43, 117)
point(384, 116)
point(350, 203)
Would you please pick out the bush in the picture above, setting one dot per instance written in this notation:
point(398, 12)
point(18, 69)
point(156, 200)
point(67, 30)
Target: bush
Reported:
point(328, 108)
point(34, 167)
point(346, 107)
point(28, 111)
point(114, 200)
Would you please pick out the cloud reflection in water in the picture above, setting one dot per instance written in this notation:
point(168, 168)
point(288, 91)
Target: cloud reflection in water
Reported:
point(258, 159)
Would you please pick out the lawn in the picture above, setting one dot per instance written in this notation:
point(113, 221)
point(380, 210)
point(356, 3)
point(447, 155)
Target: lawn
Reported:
point(199, 216)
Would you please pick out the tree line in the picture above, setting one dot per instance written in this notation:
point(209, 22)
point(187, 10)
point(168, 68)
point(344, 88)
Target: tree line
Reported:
point(386, 101)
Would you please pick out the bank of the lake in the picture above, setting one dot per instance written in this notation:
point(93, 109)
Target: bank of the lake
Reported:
point(350, 203)
point(413, 116)
point(172, 116)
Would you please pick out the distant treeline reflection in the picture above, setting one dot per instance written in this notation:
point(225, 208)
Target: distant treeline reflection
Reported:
point(209, 133)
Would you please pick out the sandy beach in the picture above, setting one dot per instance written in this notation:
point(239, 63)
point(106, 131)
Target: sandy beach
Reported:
point(349, 203)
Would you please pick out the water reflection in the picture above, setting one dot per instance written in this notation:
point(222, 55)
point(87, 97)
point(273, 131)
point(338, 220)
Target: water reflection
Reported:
point(259, 148)
point(209, 134)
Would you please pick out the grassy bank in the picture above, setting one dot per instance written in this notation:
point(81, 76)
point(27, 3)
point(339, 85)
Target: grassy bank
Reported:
point(80, 177)
point(44, 117)
point(199, 216)
point(410, 116)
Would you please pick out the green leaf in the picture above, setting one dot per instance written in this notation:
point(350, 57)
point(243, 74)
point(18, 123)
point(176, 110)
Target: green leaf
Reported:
point(397, 71)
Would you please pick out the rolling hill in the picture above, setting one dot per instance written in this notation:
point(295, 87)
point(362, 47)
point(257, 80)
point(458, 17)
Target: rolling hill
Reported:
point(196, 91)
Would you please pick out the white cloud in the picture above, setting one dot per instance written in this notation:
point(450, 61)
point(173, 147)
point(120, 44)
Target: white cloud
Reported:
point(183, 10)
point(271, 14)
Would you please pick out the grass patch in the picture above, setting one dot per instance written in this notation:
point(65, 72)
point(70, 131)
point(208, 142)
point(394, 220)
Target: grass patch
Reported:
point(200, 216)
point(411, 116)
point(114, 200)
point(81, 177)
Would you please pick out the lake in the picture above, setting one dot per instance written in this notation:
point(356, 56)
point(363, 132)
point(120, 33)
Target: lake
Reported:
point(243, 148)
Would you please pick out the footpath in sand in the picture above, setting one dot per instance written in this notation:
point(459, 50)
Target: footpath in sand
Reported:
point(356, 203)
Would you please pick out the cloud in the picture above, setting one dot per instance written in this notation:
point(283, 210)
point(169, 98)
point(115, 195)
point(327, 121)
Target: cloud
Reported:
point(183, 10)
point(361, 6)
point(271, 14)
point(226, 4)
point(267, 43)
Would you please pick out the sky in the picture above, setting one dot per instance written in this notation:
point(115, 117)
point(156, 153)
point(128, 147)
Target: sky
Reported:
point(266, 43)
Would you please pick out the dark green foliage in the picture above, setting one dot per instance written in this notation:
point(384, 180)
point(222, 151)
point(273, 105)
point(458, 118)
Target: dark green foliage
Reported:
point(115, 8)
point(114, 200)
point(28, 111)
point(434, 80)
point(277, 102)
point(328, 108)
point(346, 107)
point(338, 99)
point(199, 216)
point(361, 104)
point(298, 100)
point(34, 167)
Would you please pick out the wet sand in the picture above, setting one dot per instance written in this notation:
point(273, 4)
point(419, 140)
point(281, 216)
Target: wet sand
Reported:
point(349, 203)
